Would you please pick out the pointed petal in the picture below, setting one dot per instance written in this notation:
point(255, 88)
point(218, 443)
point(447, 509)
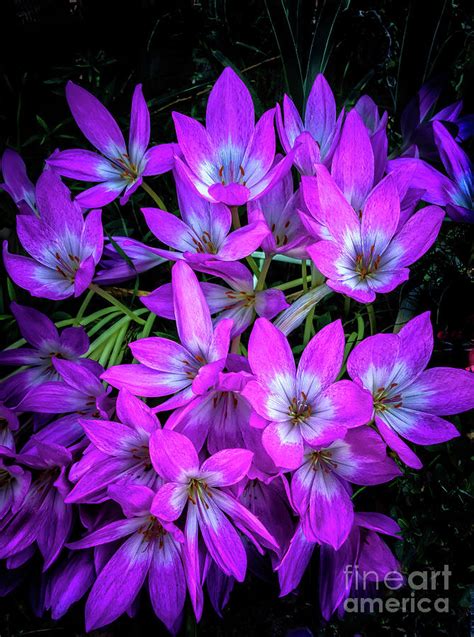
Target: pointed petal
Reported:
point(119, 582)
point(173, 455)
point(95, 121)
point(353, 161)
point(193, 320)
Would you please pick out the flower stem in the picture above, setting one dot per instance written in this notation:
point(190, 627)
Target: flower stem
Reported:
point(263, 273)
point(113, 301)
point(235, 345)
point(156, 198)
point(372, 319)
point(84, 306)
point(235, 217)
point(292, 284)
point(304, 275)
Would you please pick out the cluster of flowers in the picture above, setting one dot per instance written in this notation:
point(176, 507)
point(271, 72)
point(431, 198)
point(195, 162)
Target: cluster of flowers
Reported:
point(254, 454)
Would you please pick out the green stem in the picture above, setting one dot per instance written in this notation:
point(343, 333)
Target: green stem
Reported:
point(308, 327)
point(235, 345)
point(292, 284)
point(372, 319)
point(347, 306)
point(84, 306)
point(156, 198)
point(253, 266)
point(113, 301)
point(148, 325)
point(263, 273)
point(235, 217)
point(304, 275)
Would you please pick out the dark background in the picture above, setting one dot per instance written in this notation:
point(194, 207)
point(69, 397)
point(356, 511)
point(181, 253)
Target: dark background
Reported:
point(177, 50)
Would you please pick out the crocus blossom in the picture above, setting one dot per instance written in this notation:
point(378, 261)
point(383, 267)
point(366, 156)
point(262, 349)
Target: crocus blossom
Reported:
point(278, 208)
point(17, 183)
point(363, 560)
point(45, 343)
point(231, 159)
point(151, 549)
point(200, 489)
point(315, 139)
point(64, 247)
point(118, 452)
point(115, 268)
point(118, 169)
point(240, 302)
point(43, 518)
point(320, 488)
point(204, 231)
point(366, 253)
point(187, 368)
point(454, 190)
point(305, 404)
point(408, 401)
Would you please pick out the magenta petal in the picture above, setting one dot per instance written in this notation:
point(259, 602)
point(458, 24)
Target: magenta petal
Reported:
point(353, 161)
point(284, 444)
point(331, 513)
point(222, 540)
point(321, 360)
point(293, 565)
point(227, 467)
point(271, 358)
point(170, 501)
point(230, 194)
point(242, 242)
point(119, 582)
point(403, 451)
point(230, 114)
point(101, 195)
point(95, 121)
point(173, 455)
point(139, 126)
point(159, 159)
point(166, 583)
point(442, 391)
point(418, 234)
point(83, 165)
point(193, 320)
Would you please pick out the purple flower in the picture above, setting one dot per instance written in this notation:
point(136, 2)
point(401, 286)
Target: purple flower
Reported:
point(377, 128)
point(363, 560)
point(204, 231)
point(78, 391)
point(115, 268)
point(187, 368)
point(16, 182)
point(363, 552)
point(118, 452)
point(8, 424)
point(241, 302)
point(369, 253)
point(64, 247)
point(320, 489)
point(151, 548)
point(42, 517)
point(45, 344)
point(231, 159)
point(14, 483)
point(304, 405)
point(118, 169)
point(319, 133)
point(456, 190)
point(277, 208)
point(200, 489)
point(407, 399)
point(418, 118)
